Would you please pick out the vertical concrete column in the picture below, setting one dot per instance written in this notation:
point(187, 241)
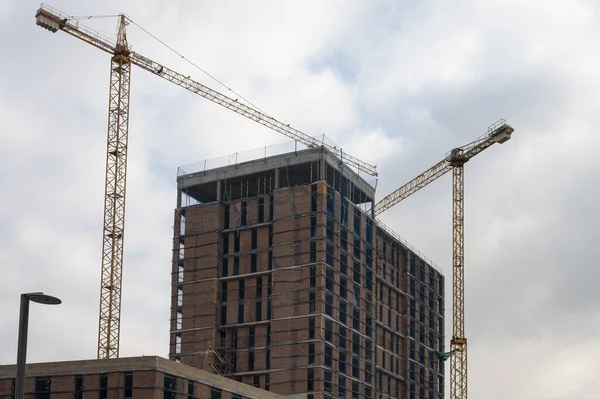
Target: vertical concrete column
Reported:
point(219, 190)
point(178, 197)
point(276, 178)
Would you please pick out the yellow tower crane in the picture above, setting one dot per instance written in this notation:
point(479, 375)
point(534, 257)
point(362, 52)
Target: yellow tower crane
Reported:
point(499, 132)
point(122, 57)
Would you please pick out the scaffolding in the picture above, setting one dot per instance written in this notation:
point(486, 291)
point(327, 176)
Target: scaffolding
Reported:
point(286, 284)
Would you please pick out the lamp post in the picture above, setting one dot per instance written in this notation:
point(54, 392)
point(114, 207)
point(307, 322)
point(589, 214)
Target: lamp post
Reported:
point(38, 297)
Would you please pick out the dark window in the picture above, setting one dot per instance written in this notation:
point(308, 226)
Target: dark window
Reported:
point(356, 272)
point(311, 328)
point(225, 243)
point(330, 202)
point(369, 278)
point(261, 210)
point(43, 387)
point(313, 201)
point(329, 278)
point(103, 389)
point(191, 392)
point(356, 299)
point(311, 380)
point(370, 231)
point(329, 304)
point(128, 384)
point(271, 213)
point(241, 288)
point(327, 379)
point(256, 381)
point(330, 230)
point(240, 312)
point(368, 394)
point(357, 215)
point(225, 266)
point(313, 251)
point(223, 315)
point(344, 239)
point(328, 330)
point(329, 254)
point(224, 291)
point(343, 287)
point(313, 276)
point(259, 287)
point(311, 353)
point(244, 213)
point(270, 260)
point(79, 387)
point(342, 362)
point(215, 393)
point(313, 226)
point(356, 248)
point(355, 344)
point(344, 211)
point(251, 360)
point(226, 226)
point(254, 238)
point(355, 390)
point(369, 326)
point(253, 263)
point(328, 355)
point(236, 242)
point(342, 336)
point(342, 312)
point(236, 265)
point(311, 304)
point(368, 349)
point(355, 368)
point(344, 263)
point(356, 319)
point(341, 386)
point(369, 300)
point(251, 336)
point(170, 387)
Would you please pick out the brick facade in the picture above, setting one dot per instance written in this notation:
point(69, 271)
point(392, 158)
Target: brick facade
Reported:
point(295, 289)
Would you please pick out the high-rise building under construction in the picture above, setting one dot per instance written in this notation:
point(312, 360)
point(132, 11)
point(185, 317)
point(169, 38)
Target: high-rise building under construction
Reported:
point(283, 281)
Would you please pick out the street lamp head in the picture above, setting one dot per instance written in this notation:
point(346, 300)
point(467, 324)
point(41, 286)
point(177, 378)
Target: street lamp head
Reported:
point(40, 297)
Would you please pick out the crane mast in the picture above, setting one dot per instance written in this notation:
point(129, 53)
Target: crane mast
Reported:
point(499, 132)
point(122, 58)
point(114, 199)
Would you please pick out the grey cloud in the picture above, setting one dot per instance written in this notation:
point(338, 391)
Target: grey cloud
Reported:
point(532, 302)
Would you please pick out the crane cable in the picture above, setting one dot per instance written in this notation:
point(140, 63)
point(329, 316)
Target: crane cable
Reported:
point(83, 17)
point(197, 67)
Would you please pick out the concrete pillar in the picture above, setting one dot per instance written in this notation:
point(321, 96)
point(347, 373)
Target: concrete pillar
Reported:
point(219, 190)
point(322, 169)
point(276, 178)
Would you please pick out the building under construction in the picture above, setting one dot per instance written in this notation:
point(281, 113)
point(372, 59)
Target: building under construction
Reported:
point(282, 279)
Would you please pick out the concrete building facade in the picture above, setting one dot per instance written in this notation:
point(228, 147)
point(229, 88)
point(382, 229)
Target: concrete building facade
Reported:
point(281, 280)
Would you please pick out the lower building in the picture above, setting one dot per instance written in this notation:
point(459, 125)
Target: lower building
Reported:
point(147, 377)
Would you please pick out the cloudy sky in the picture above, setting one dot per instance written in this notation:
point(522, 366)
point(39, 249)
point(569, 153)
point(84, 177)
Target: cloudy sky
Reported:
point(395, 83)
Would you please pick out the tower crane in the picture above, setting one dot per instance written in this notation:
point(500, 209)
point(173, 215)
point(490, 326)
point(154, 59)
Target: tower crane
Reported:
point(499, 132)
point(122, 57)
